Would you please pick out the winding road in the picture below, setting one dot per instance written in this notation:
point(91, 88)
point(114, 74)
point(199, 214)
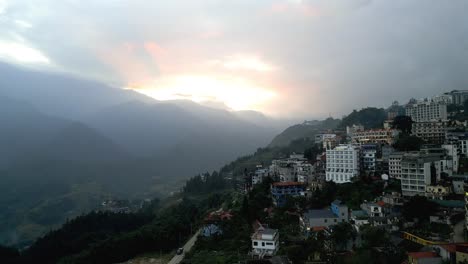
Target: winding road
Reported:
point(178, 258)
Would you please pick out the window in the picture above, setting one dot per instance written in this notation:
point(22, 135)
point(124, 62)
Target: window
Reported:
point(263, 244)
point(269, 244)
point(255, 243)
point(325, 220)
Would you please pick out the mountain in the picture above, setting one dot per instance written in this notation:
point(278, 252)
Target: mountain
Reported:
point(61, 95)
point(67, 144)
point(305, 130)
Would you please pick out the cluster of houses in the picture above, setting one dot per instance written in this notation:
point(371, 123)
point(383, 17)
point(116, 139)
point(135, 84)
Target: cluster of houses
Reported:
point(437, 171)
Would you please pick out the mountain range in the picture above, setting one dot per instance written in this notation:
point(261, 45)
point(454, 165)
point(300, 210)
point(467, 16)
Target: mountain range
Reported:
point(66, 143)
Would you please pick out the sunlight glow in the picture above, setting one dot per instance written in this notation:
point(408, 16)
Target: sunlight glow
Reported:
point(21, 53)
point(236, 93)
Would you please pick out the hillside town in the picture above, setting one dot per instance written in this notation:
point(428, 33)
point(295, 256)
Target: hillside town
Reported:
point(419, 158)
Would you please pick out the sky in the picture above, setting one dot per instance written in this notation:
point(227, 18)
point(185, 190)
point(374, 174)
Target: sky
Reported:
point(291, 58)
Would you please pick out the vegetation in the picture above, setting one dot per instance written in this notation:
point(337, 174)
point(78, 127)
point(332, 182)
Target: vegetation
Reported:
point(369, 117)
point(408, 143)
point(403, 123)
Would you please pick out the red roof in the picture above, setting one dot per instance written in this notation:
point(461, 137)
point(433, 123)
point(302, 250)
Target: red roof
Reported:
point(421, 255)
point(288, 183)
point(453, 246)
point(318, 228)
point(381, 203)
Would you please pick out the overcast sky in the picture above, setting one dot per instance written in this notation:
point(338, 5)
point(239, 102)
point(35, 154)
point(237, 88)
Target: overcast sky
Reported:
point(308, 58)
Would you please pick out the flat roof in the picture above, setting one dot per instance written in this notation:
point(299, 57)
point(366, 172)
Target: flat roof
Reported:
point(319, 213)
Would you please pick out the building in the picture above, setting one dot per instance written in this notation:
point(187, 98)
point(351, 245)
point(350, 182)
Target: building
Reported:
point(466, 209)
point(369, 157)
point(323, 136)
point(394, 165)
point(259, 175)
point(350, 130)
point(419, 170)
point(458, 96)
point(438, 191)
point(427, 111)
point(424, 258)
point(432, 132)
point(265, 242)
point(337, 213)
point(287, 170)
point(281, 190)
point(343, 163)
point(375, 136)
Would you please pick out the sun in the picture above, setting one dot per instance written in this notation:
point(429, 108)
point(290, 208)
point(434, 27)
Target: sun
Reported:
point(234, 92)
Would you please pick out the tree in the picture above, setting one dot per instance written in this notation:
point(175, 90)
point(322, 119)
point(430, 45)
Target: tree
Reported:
point(341, 234)
point(403, 123)
point(419, 207)
point(408, 143)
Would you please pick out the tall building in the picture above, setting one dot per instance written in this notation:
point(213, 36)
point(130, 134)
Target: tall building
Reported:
point(343, 163)
point(369, 157)
point(426, 111)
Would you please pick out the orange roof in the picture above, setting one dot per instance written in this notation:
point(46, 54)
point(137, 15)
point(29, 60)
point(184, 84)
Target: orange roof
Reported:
point(421, 255)
point(288, 183)
point(381, 203)
point(453, 246)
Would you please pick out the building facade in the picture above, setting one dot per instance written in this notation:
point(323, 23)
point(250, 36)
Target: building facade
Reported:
point(343, 163)
point(426, 111)
point(375, 136)
point(265, 242)
point(433, 132)
point(281, 190)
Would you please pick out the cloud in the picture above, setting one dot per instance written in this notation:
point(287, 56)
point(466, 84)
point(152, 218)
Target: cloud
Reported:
point(316, 56)
point(21, 53)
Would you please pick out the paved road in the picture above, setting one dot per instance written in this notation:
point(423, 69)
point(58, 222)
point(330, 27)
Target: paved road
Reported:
point(178, 258)
point(458, 229)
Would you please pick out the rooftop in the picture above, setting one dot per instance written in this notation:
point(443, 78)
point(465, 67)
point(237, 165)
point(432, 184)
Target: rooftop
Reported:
point(320, 213)
point(421, 255)
point(288, 184)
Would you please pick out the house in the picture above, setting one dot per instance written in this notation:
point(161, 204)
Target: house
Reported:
point(211, 223)
point(259, 175)
point(265, 242)
point(424, 258)
point(337, 213)
point(359, 218)
point(281, 190)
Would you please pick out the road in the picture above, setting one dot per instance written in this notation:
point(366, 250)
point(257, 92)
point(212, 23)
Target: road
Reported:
point(178, 258)
point(458, 229)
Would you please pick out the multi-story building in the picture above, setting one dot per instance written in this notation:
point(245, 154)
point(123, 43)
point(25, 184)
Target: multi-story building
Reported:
point(343, 163)
point(287, 170)
point(331, 143)
point(426, 111)
point(375, 136)
point(281, 190)
point(439, 191)
point(323, 136)
point(350, 130)
point(259, 175)
point(394, 165)
point(431, 132)
point(369, 157)
point(265, 242)
point(419, 170)
point(466, 208)
point(458, 96)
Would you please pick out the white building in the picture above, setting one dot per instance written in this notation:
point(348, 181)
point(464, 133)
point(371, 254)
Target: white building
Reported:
point(419, 170)
point(265, 242)
point(259, 175)
point(342, 163)
point(427, 110)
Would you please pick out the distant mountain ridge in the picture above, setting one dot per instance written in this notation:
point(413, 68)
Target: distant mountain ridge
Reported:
point(67, 142)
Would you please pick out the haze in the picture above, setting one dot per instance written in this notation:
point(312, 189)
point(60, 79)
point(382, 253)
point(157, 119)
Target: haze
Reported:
point(285, 58)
